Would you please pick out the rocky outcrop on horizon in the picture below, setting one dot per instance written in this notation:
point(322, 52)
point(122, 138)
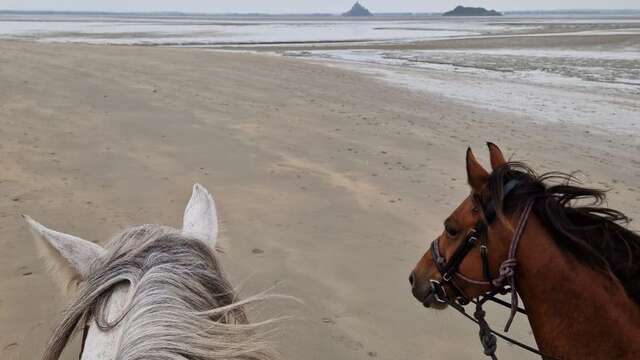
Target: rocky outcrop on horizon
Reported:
point(471, 11)
point(358, 10)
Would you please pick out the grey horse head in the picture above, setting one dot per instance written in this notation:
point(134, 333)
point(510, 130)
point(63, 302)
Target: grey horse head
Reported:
point(152, 292)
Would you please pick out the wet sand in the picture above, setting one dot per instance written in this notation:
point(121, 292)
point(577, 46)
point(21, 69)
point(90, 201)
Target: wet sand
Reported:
point(518, 32)
point(532, 40)
point(329, 183)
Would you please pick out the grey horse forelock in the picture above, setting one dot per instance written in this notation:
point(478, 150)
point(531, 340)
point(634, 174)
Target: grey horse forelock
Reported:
point(180, 304)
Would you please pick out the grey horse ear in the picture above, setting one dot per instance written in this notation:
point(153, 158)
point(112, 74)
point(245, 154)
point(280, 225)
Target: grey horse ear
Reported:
point(200, 218)
point(68, 257)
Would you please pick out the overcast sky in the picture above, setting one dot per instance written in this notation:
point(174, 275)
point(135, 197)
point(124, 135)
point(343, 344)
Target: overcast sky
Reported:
point(307, 6)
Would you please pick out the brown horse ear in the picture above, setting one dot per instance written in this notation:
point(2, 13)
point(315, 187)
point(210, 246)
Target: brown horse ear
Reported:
point(476, 174)
point(497, 159)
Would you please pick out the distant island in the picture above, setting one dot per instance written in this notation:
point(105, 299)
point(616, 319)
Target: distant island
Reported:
point(471, 11)
point(358, 10)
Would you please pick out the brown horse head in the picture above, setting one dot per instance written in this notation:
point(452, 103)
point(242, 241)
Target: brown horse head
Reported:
point(457, 227)
point(549, 241)
point(591, 234)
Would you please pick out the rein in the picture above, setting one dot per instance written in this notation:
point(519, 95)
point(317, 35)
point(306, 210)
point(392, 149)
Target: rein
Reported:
point(504, 283)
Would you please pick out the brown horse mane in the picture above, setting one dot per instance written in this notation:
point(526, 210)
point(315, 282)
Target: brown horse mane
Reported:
point(580, 225)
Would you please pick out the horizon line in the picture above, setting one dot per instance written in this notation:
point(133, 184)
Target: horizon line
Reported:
point(177, 12)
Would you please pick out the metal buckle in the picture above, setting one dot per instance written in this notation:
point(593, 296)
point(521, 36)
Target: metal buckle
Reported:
point(473, 238)
point(462, 300)
point(439, 293)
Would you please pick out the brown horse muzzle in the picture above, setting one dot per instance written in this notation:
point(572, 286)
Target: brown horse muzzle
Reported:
point(424, 291)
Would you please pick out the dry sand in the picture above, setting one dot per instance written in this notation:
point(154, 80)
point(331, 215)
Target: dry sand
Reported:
point(338, 179)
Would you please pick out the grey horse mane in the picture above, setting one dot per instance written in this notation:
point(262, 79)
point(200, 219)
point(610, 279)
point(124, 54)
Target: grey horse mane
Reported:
point(180, 306)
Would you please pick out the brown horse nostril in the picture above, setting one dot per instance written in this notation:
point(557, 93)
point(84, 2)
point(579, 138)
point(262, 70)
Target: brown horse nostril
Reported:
point(412, 278)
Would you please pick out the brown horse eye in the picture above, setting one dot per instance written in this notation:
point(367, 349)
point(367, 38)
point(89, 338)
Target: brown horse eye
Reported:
point(451, 232)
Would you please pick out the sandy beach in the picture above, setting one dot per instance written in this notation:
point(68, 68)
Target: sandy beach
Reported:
point(330, 183)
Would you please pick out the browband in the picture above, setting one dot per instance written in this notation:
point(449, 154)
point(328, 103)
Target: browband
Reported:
point(490, 210)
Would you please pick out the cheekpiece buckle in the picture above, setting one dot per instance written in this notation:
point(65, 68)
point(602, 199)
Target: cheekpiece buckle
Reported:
point(439, 293)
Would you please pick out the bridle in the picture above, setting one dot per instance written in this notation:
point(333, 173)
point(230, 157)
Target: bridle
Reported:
point(449, 269)
point(504, 283)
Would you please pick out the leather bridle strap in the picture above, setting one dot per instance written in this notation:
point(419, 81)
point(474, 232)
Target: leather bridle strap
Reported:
point(507, 270)
point(449, 268)
point(484, 255)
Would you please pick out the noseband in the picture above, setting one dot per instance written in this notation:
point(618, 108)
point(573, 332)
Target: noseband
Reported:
point(502, 284)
